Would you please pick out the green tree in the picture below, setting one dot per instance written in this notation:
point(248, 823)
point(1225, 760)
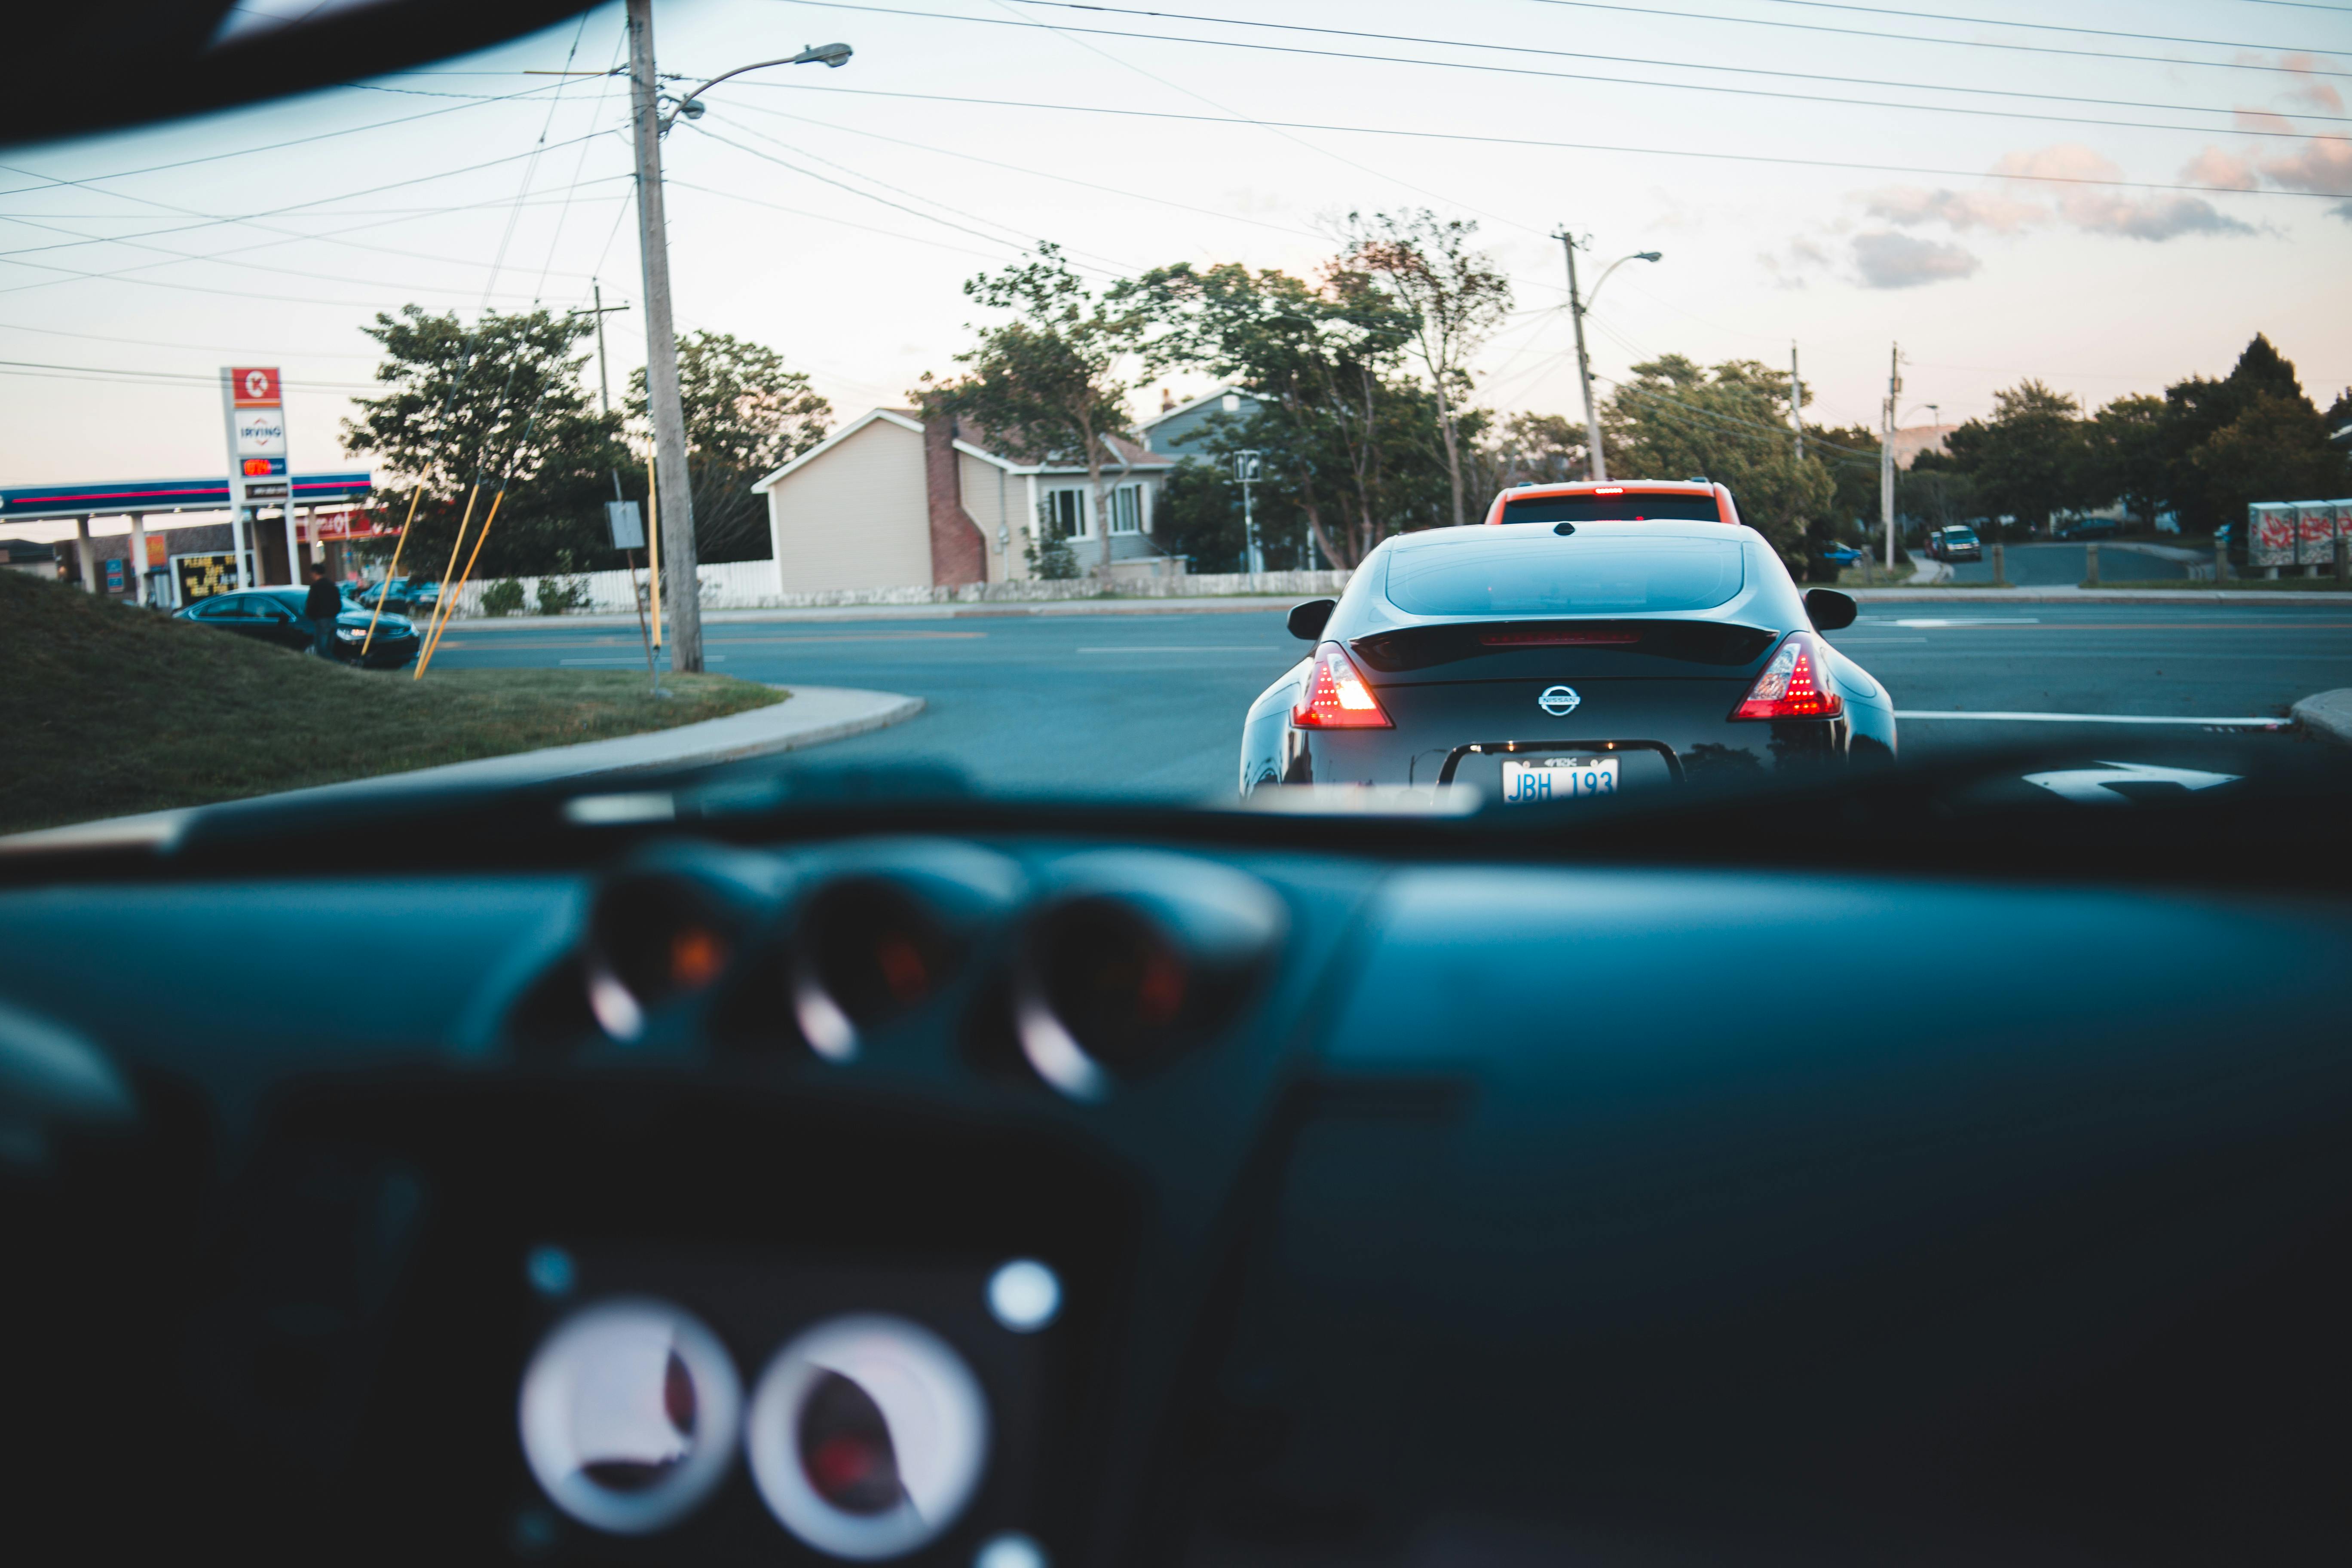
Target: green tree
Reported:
point(1675, 420)
point(1457, 298)
point(2029, 460)
point(2198, 410)
point(2128, 456)
point(745, 415)
point(1344, 436)
point(498, 403)
point(1047, 383)
point(1199, 516)
point(1529, 450)
point(2275, 449)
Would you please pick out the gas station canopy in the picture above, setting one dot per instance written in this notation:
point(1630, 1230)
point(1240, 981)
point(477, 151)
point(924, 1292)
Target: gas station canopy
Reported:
point(24, 503)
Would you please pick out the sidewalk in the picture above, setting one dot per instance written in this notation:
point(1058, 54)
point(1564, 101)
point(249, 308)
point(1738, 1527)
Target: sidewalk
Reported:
point(811, 716)
point(2326, 715)
point(1256, 604)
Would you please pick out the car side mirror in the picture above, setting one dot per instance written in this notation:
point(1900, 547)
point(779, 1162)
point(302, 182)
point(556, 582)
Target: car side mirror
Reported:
point(1307, 620)
point(1831, 610)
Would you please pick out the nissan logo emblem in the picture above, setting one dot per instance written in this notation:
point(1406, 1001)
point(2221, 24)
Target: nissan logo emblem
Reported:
point(1558, 701)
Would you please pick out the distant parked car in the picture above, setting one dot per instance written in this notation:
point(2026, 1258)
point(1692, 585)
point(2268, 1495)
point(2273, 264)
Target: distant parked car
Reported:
point(2090, 528)
point(275, 615)
point(402, 595)
point(1955, 544)
point(1840, 554)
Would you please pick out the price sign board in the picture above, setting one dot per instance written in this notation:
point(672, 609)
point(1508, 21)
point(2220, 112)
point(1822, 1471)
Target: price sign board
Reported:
point(253, 400)
point(202, 576)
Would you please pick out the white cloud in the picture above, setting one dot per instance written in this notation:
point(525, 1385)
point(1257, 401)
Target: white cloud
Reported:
point(1892, 260)
point(1905, 205)
point(2156, 218)
point(2322, 165)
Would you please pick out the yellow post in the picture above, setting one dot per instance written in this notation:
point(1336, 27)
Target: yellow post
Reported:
point(385, 592)
point(455, 546)
point(463, 579)
point(653, 542)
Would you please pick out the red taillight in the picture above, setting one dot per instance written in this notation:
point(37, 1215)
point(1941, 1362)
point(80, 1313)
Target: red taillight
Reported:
point(1795, 685)
point(1337, 697)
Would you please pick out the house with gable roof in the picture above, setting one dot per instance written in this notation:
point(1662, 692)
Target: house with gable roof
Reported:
point(892, 500)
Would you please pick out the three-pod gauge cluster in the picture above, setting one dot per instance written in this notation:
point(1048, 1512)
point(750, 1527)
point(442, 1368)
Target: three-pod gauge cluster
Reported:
point(1083, 974)
point(866, 1434)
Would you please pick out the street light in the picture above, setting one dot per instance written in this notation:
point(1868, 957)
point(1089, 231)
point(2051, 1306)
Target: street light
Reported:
point(690, 106)
point(1599, 464)
point(675, 499)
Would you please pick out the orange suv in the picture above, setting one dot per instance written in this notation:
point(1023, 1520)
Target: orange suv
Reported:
point(1626, 500)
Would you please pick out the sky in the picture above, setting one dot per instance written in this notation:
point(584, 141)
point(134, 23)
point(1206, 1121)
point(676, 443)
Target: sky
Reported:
point(1844, 178)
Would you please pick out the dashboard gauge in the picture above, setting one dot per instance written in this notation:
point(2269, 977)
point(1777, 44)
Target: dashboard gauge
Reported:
point(868, 1434)
point(630, 1411)
point(869, 953)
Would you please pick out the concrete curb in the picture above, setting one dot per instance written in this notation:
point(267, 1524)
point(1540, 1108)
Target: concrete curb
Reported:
point(2327, 715)
point(1258, 604)
point(811, 716)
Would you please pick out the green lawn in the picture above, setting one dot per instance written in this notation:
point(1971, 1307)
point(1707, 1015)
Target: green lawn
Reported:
point(106, 709)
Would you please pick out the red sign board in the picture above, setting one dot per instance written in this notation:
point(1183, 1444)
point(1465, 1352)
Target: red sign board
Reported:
point(254, 386)
point(356, 523)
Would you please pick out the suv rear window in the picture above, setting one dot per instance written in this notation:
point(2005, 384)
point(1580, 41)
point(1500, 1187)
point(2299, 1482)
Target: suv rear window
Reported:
point(1631, 507)
point(1549, 575)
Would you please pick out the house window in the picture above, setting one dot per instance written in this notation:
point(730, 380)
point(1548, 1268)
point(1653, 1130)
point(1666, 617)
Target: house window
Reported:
point(1065, 514)
point(1231, 403)
point(1127, 509)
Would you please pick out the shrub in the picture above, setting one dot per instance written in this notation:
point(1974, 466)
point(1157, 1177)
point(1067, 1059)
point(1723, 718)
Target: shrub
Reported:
point(1052, 560)
point(503, 598)
point(560, 596)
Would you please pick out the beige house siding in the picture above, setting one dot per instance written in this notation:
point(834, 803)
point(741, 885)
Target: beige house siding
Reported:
point(857, 516)
point(993, 497)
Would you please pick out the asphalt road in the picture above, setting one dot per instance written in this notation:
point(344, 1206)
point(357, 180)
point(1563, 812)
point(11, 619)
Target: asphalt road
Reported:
point(2064, 565)
point(1152, 702)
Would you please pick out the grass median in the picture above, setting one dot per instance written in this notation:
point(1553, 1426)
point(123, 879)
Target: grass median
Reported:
point(106, 709)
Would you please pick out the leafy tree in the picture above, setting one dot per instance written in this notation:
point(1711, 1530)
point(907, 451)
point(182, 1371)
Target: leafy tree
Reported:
point(1529, 450)
point(2207, 493)
point(498, 403)
point(2029, 460)
point(1457, 298)
point(745, 415)
point(1675, 420)
point(1199, 516)
point(1339, 431)
point(1046, 384)
point(2275, 449)
point(2127, 455)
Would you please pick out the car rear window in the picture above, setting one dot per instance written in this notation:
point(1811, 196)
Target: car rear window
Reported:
point(1548, 575)
point(1631, 507)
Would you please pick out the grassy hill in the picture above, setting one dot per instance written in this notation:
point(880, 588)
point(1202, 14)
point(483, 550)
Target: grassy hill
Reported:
point(106, 709)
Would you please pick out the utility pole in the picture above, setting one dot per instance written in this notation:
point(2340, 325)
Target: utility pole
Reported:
point(1886, 451)
point(1598, 466)
point(675, 498)
point(601, 310)
point(1796, 401)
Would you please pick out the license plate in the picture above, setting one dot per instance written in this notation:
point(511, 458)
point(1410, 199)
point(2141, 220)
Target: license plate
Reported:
point(1557, 778)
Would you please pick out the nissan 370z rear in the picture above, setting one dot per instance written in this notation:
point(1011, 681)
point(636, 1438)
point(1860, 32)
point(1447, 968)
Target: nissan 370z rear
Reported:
point(1557, 661)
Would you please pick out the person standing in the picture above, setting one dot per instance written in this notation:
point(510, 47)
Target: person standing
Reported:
point(322, 605)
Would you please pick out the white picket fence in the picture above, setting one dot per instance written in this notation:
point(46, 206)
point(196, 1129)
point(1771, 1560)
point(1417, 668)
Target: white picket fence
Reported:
point(751, 586)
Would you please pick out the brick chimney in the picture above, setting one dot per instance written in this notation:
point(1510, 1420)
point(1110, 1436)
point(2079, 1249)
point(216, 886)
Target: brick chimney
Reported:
point(959, 549)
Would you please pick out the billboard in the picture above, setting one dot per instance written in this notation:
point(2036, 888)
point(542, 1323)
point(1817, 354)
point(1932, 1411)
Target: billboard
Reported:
point(253, 399)
point(355, 522)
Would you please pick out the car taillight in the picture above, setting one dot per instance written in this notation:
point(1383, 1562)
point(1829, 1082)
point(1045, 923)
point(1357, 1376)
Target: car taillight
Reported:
point(1795, 685)
point(1337, 697)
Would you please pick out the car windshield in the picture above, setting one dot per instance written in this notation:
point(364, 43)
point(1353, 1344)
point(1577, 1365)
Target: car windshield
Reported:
point(971, 401)
point(1578, 575)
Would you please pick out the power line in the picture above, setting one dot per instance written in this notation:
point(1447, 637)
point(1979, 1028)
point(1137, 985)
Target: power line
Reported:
point(1480, 139)
point(1665, 64)
point(1602, 79)
point(93, 370)
point(2047, 27)
point(1922, 39)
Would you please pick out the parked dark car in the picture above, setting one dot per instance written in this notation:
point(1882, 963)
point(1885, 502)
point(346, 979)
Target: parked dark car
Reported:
point(1584, 651)
point(402, 595)
point(1955, 544)
point(2090, 528)
point(275, 615)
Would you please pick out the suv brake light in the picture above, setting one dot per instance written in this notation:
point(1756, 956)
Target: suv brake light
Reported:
point(1795, 685)
point(1337, 697)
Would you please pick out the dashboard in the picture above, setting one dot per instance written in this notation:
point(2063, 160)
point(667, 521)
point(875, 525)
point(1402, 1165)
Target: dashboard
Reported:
point(637, 1178)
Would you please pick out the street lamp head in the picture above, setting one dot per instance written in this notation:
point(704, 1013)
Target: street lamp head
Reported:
point(832, 55)
point(691, 109)
point(1649, 254)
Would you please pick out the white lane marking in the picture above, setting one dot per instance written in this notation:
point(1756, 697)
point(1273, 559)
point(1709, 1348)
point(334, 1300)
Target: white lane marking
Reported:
point(2092, 783)
point(1968, 621)
point(2090, 718)
point(1871, 642)
point(1181, 647)
point(640, 660)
